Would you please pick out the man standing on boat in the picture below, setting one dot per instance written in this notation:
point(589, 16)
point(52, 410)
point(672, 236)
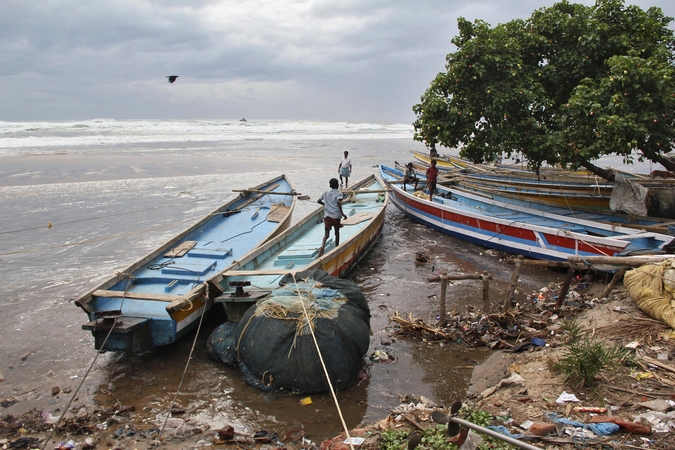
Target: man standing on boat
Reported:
point(332, 212)
point(432, 175)
point(345, 169)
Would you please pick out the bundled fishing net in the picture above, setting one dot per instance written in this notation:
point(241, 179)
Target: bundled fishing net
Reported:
point(274, 346)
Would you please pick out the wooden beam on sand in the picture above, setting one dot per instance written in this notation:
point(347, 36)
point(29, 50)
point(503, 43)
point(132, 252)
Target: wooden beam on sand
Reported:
point(618, 261)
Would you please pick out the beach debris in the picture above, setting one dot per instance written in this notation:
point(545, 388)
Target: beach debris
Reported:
point(172, 78)
point(226, 433)
point(306, 401)
point(513, 379)
point(422, 257)
point(657, 405)
point(565, 397)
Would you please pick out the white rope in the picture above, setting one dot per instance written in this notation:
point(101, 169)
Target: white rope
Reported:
point(325, 371)
point(187, 364)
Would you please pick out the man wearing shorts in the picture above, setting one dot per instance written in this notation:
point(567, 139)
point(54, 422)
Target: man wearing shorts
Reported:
point(332, 212)
point(345, 169)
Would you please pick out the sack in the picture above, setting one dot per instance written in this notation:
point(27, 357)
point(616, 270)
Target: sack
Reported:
point(652, 287)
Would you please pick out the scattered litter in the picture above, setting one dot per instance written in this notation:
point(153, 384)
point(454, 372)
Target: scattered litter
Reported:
point(660, 422)
point(599, 429)
point(590, 409)
point(565, 397)
point(514, 378)
point(306, 401)
point(354, 441)
point(656, 405)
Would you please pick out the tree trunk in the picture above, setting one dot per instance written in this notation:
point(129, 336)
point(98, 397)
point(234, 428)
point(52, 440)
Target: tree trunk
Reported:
point(604, 173)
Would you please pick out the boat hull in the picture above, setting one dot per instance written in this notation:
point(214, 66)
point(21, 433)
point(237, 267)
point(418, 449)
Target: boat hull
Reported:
point(161, 297)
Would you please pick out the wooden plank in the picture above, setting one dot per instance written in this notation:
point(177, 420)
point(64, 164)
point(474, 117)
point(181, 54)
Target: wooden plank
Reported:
point(180, 250)
point(366, 191)
point(278, 213)
point(248, 273)
point(259, 191)
point(357, 218)
point(144, 295)
point(626, 261)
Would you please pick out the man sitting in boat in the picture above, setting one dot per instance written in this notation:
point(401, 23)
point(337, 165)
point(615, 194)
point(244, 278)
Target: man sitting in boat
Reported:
point(410, 177)
point(432, 152)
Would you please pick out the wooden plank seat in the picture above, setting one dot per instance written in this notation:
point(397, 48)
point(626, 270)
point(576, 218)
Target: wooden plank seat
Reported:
point(217, 253)
point(195, 268)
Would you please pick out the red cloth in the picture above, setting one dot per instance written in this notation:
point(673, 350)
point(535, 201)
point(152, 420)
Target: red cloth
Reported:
point(329, 223)
point(432, 174)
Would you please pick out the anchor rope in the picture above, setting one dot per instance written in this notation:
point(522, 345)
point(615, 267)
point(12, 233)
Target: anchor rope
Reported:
point(323, 365)
point(110, 237)
point(99, 352)
point(187, 364)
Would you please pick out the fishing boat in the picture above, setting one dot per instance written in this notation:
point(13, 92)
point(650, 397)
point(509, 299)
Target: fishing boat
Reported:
point(518, 229)
point(255, 275)
point(162, 296)
point(559, 196)
point(655, 224)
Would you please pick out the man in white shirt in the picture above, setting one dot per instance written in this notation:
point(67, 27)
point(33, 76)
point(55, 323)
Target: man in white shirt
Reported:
point(332, 212)
point(345, 169)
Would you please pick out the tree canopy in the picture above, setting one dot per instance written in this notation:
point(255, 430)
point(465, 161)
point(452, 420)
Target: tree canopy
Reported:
point(566, 86)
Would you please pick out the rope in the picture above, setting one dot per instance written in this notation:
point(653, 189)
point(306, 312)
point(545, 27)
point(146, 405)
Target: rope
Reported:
point(101, 350)
point(568, 233)
point(187, 364)
point(108, 238)
point(325, 371)
point(74, 396)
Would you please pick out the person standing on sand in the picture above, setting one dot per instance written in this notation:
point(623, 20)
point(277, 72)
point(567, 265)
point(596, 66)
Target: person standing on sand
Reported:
point(332, 212)
point(432, 175)
point(345, 169)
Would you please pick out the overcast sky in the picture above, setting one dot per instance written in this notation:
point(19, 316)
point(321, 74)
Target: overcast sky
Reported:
point(344, 60)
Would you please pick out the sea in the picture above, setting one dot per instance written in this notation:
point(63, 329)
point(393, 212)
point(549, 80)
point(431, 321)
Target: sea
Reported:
point(82, 200)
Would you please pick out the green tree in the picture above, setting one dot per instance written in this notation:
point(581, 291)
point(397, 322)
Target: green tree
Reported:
point(566, 86)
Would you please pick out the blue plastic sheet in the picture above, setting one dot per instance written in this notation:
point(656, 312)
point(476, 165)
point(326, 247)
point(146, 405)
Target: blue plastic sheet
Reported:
point(503, 430)
point(600, 429)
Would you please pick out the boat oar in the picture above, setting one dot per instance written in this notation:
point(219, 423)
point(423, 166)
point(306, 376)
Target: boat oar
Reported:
point(454, 424)
point(258, 191)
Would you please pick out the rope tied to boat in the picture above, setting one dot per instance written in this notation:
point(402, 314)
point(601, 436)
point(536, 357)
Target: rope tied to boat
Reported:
point(187, 364)
point(568, 233)
point(323, 365)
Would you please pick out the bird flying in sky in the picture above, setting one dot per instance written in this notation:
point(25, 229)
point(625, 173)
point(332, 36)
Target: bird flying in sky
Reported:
point(172, 78)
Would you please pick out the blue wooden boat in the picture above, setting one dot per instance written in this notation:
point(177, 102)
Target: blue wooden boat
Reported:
point(162, 296)
point(518, 229)
point(255, 275)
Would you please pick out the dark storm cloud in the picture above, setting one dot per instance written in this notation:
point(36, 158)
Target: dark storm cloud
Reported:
point(314, 60)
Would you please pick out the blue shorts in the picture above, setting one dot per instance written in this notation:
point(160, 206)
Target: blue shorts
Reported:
point(345, 172)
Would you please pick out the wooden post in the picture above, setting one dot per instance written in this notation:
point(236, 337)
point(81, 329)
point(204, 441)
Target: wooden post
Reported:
point(443, 278)
point(565, 287)
point(508, 301)
point(618, 276)
point(486, 293)
point(444, 289)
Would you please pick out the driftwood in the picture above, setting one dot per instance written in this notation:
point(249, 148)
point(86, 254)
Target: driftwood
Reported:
point(416, 325)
